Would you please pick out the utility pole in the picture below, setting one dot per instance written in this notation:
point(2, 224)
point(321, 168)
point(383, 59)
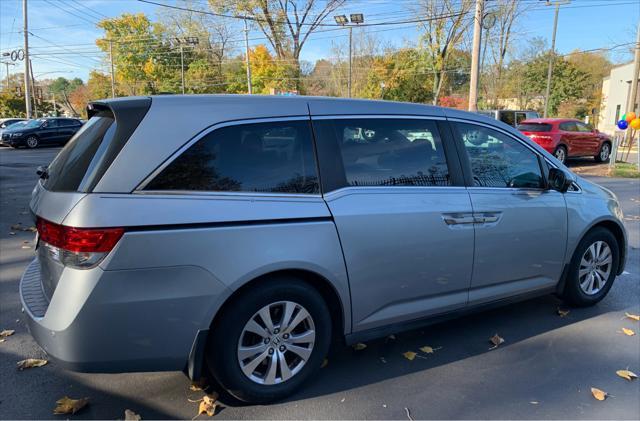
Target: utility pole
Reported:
point(246, 51)
point(55, 107)
point(113, 76)
point(182, 66)
point(475, 56)
point(350, 59)
point(552, 55)
point(33, 90)
point(7, 64)
point(633, 95)
point(27, 82)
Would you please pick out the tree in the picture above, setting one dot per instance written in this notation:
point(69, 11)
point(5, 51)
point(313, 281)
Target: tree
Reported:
point(596, 65)
point(441, 35)
point(11, 105)
point(62, 87)
point(267, 73)
point(79, 98)
point(99, 85)
point(286, 24)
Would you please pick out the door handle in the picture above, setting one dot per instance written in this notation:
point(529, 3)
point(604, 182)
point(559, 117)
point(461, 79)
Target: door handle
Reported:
point(458, 218)
point(487, 217)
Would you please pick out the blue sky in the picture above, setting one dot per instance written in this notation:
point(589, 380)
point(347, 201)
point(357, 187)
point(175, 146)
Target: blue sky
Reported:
point(64, 32)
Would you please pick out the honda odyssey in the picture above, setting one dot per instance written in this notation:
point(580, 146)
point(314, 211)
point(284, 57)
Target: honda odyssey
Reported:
point(243, 234)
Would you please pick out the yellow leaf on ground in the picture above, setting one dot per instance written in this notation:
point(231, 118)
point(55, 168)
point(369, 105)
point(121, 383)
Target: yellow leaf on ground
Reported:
point(359, 346)
point(67, 405)
point(208, 405)
point(599, 394)
point(429, 350)
point(496, 340)
point(626, 374)
point(7, 332)
point(628, 332)
point(31, 363)
point(129, 415)
point(410, 355)
point(325, 363)
point(632, 317)
point(562, 312)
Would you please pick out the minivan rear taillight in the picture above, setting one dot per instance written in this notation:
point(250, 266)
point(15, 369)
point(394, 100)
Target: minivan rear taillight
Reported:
point(77, 247)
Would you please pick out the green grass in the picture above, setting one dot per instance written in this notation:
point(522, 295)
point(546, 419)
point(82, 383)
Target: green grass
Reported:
point(626, 170)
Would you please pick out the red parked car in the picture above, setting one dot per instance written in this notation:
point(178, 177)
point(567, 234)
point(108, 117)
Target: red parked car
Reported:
point(567, 138)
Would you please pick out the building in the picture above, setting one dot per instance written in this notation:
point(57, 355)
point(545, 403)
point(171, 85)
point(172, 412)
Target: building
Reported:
point(616, 89)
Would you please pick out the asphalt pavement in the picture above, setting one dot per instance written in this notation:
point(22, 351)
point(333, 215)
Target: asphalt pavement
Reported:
point(544, 369)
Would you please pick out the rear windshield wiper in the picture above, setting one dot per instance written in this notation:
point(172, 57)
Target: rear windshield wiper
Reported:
point(43, 172)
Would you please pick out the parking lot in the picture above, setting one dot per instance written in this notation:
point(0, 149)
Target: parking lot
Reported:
point(545, 368)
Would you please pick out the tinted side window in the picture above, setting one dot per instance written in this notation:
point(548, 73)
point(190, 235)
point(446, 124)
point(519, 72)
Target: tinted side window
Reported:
point(66, 123)
point(520, 117)
point(391, 152)
point(498, 160)
point(584, 128)
point(264, 157)
point(50, 124)
point(508, 117)
point(568, 126)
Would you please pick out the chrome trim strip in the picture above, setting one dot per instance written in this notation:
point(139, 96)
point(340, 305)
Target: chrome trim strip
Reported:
point(345, 191)
point(205, 132)
point(226, 195)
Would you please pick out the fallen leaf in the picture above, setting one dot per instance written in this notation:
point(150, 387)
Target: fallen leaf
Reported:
point(632, 317)
point(195, 388)
point(628, 332)
point(129, 415)
point(599, 394)
point(325, 363)
point(25, 247)
point(208, 405)
point(429, 350)
point(12, 233)
point(410, 355)
point(31, 363)
point(626, 374)
point(16, 227)
point(67, 405)
point(359, 346)
point(496, 340)
point(7, 332)
point(562, 312)
point(534, 402)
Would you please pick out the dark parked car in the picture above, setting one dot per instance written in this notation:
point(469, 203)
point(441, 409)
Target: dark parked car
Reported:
point(567, 138)
point(6, 122)
point(43, 131)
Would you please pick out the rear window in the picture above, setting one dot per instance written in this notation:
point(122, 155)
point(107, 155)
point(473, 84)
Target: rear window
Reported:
point(534, 127)
point(272, 157)
point(74, 161)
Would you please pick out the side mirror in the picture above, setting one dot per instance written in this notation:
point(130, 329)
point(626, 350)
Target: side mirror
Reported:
point(559, 180)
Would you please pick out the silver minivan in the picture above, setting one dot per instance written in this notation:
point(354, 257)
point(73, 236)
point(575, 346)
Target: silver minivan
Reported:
point(243, 234)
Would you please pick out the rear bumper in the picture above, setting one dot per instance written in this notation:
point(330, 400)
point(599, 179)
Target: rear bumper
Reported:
point(118, 321)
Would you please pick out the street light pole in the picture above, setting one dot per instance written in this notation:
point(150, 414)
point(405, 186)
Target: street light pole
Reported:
point(182, 67)
point(475, 56)
point(355, 18)
point(551, 55)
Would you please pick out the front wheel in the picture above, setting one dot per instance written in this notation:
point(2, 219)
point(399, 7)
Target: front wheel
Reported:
point(32, 142)
point(603, 155)
point(271, 340)
point(593, 268)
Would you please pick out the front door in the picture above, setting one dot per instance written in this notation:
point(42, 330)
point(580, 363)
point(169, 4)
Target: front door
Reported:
point(589, 139)
point(48, 132)
point(403, 217)
point(521, 227)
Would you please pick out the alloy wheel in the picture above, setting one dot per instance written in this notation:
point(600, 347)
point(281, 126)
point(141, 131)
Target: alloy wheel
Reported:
point(32, 142)
point(560, 154)
point(604, 152)
point(595, 267)
point(276, 343)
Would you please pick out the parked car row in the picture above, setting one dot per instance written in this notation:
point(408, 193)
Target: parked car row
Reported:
point(562, 137)
point(17, 132)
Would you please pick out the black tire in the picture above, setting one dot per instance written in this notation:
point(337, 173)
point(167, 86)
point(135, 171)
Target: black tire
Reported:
point(32, 142)
point(600, 157)
point(561, 154)
point(573, 292)
point(221, 354)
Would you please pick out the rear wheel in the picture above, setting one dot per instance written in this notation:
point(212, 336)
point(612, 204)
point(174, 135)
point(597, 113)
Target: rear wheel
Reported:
point(603, 155)
point(593, 268)
point(32, 142)
point(271, 339)
point(561, 154)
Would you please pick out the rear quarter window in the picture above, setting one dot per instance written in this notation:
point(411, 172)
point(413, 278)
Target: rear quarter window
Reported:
point(275, 157)
point(68, 169)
